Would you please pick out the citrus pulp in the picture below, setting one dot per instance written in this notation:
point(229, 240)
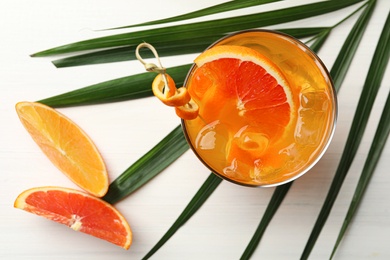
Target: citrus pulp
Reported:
point(79, 211)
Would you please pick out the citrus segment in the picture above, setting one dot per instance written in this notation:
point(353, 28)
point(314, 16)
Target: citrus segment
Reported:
point(66, 145)
point(79, 211)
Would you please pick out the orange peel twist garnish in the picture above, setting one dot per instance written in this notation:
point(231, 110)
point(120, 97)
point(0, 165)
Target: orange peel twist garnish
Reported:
point(164, 88)
point(173, 97)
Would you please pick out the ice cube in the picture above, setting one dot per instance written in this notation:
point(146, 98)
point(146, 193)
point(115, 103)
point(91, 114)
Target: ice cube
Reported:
point(292, 157)
point(316, 100)
point(205, 139)
point(310, 125)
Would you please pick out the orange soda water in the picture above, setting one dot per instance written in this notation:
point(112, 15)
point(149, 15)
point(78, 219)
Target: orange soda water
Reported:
point(264, 149)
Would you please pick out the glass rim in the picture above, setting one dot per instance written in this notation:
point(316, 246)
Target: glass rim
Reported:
point(327, 142)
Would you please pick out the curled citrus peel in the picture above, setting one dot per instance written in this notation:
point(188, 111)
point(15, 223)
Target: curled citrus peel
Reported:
point(170, 96)
point(189, 111)
point(164, 88)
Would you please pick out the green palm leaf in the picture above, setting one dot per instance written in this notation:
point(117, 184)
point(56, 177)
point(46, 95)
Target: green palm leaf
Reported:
point(148, 166)
point(126, 88)
point(377, 69)
point(202, 29)
point(172, 48)
point(374, 154)
point(207, 188)
point(319, 39)
point(276, 200)
point(224, 7)
point(347, 52)
point(359, 124)
point(128, 52)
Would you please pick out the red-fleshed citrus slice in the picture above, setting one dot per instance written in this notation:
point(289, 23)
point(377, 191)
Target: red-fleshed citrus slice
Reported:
point(79, 211)
point(247, 93)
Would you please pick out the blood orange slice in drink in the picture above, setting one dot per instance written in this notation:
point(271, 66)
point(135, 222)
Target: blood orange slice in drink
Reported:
point(245, 106)
point(247, 94)
point(257, 87)
point(79, 211)
point(66, 145)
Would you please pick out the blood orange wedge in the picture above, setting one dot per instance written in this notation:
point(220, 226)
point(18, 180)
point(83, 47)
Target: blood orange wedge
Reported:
point(79, 211)
point(66, 145)
point(248, 95)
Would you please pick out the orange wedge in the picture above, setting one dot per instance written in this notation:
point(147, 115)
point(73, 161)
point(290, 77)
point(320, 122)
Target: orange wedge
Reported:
point(66, 145)
point(79, 211)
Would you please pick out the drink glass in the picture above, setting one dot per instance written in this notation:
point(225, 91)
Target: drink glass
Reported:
point(306, 140)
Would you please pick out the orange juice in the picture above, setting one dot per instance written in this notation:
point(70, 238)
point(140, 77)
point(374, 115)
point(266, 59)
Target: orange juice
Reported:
point(270, 116)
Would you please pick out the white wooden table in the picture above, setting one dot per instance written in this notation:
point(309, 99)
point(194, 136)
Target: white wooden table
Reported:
point(125, 131)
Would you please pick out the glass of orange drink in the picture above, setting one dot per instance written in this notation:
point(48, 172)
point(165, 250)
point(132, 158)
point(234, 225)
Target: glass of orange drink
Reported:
point(267, 108)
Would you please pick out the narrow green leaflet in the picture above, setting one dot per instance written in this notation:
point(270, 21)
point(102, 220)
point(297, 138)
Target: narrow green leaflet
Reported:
point(203, 29)
point(303, 32)
point(281, 191)
point(134, 86)
point(224, 7)
point(377, 69)
point(127, 88)
point(341, 65)
point(276, 200)
point(171, 48)
point(164, 49)
point(319, 39)
point(207, 188)
point(148, 166)
point(359, 124)
point(374, 154)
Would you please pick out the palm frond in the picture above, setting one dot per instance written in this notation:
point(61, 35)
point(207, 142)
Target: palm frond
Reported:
point(126, 88)
point(276, 200)
point(359, 124)
point(224, 7)
point(195, 45)
point(148, 166)
point(202, 29)
point(347, 52)
point(204, 192)
point(375, 74)
point(373, 157)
